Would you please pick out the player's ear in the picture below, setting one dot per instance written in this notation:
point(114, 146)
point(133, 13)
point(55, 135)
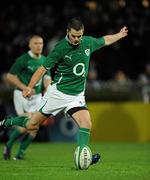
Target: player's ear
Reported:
point(67, 31)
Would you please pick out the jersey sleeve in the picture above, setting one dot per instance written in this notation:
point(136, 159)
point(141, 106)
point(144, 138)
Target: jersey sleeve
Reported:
point(18, 66)
point(53, 58)
point(97, 43)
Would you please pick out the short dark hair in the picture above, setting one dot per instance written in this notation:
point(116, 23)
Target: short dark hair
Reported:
point(75, 23)
point(34, 36)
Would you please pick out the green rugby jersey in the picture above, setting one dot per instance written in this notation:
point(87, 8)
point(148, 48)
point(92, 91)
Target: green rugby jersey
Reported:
point(72, 63)
point(25, 66)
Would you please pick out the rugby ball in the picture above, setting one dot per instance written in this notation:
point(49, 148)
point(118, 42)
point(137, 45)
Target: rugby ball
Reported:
point(82, 157)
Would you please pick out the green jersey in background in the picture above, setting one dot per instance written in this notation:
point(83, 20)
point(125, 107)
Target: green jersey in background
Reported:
point(24, 68)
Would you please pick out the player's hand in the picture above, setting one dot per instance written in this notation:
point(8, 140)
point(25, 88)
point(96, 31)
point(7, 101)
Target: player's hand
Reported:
point(27, 92)
point(124, 31)
point(32, 92)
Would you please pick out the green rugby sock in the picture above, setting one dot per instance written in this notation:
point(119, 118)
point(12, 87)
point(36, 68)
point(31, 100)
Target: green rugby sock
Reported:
point(18, 121)
point(26, 141)
point(13, 136)
point(83, 137)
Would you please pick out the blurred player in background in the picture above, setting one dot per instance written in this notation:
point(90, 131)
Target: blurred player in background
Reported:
point(72, 56)
point(19, 76)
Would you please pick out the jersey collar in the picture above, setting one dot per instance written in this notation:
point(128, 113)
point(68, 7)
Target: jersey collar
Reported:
point(67, 39)
point(32, 55)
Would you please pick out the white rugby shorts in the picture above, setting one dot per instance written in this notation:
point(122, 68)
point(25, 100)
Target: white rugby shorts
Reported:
point(55, 101)
point(23, 105)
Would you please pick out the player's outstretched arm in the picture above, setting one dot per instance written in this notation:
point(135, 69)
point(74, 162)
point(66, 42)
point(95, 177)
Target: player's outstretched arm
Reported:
point(110, 39)
point(35, 78)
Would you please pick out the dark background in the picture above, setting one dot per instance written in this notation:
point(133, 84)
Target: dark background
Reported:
point(19, 19)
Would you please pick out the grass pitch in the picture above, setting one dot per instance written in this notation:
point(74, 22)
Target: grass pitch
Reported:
point(54, 161)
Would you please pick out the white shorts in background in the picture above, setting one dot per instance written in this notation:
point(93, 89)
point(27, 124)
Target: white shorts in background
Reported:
point(23, 105)
point(55, 101)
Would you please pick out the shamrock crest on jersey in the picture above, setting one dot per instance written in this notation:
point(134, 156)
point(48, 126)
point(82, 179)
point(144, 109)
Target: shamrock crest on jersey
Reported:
point(87, 52)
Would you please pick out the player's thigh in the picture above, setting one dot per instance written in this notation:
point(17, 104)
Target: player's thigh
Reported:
point(83, 119)
point(35, 121)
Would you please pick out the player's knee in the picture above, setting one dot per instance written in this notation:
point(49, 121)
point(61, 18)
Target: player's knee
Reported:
point(32, 125)
point(89, 124)
point(33, 133)
point(86, 124)
point(21, 129)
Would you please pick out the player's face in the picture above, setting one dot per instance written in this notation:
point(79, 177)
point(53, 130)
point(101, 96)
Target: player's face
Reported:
point(75, 36)
point(36, 45)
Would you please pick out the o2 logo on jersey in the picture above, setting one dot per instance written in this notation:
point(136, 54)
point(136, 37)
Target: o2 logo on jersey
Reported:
point(79, 69)
point(87, 52)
